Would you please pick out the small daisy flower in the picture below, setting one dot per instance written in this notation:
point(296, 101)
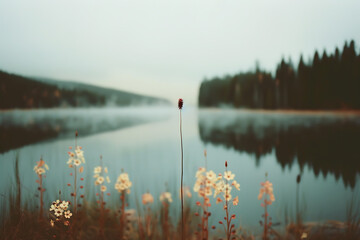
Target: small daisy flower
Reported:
point(100, 179)
point(103, 188)
point(211, 175)
point(77, 162)
point(228, 175)
point(58, 212)
point(67, 214)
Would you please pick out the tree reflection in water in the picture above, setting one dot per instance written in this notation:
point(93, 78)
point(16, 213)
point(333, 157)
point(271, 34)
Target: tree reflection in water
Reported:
point(325, 143)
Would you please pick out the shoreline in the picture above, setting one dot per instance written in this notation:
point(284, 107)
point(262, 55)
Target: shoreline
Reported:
point(286, 111)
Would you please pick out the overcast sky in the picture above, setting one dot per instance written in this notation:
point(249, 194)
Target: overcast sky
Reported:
point(166, 47)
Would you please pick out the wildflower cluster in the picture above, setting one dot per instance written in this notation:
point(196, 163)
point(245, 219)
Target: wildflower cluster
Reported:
point(165, 197)
point(267, 195)
point(100, 179)
point(223, 187)
point(123, 183)
point(40, 167)
point(76, 157)
point(146, 225)
point(60, 212)
point(205, 182)
point(204, 185)
point(267, 189)
point(147, 198)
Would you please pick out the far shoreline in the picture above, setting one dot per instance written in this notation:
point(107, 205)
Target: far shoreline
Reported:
point(309, 112)
point(287, 111)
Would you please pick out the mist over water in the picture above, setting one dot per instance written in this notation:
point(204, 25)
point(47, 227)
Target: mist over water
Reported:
point(145, 143)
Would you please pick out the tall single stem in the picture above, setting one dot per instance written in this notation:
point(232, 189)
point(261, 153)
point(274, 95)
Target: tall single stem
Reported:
point(122, 216)
point(265, 219)
point(206, 223)
point(75, 172)
point(102, 220)
point(182, 180)
point(41, 197)
point(227, 209)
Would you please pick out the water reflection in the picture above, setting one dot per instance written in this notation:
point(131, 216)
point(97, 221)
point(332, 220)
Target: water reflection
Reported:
point(20, 128)
point(326, 143)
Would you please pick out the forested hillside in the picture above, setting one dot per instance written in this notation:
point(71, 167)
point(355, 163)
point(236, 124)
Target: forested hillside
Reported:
point(327, 81)
point(22, 92)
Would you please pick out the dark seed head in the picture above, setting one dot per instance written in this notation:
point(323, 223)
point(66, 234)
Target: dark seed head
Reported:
point(180, 103)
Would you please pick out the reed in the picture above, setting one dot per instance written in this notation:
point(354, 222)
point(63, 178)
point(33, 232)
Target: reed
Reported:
point(180, 105)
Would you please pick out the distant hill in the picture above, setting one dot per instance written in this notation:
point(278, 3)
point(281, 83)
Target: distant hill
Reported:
point(112, 96)
point(24, 92)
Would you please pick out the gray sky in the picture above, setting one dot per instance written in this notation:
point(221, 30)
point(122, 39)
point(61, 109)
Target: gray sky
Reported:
point(166, 47)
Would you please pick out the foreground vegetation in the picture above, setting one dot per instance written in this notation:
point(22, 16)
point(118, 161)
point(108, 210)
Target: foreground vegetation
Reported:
point(77, 217)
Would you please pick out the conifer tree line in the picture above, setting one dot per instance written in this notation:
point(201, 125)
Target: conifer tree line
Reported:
point(328, 81)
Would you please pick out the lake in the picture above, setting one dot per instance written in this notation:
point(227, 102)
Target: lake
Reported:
point(321, 147)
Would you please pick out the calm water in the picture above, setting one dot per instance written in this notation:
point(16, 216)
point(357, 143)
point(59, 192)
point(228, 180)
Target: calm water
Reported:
point(322, 148)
